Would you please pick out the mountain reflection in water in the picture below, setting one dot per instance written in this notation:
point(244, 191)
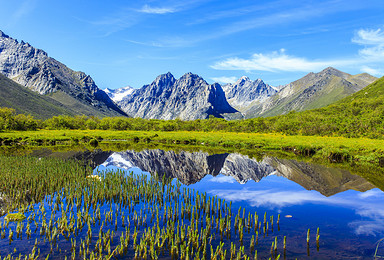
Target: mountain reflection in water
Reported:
point(346, 207)
point(190, 168)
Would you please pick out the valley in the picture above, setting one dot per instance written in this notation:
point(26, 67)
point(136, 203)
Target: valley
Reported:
point(186, 167)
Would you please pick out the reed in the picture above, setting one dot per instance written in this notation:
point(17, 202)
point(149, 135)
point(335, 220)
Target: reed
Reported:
point(119, 214)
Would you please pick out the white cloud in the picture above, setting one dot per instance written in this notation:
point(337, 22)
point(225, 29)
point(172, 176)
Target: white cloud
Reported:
point(156, 10)
point(275, 61)
point(368, 59)
point(224, 79)
point(369, 37)
point(373, 40)
point(223, 179)
point(372, 71)
point(370, 194)
point(270, 198)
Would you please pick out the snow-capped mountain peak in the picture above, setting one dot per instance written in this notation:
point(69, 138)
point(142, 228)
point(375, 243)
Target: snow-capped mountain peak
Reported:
point(119, 93)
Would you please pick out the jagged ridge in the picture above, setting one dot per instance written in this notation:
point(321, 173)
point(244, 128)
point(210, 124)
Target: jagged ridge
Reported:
point(33, 68)
point(187, 98)
point(245, 92)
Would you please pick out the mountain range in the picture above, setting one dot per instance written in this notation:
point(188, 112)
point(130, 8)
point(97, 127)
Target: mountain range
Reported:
point(34, 69)
point(59, 90)
point(187, 98)
point(191, 97)
point(191, 167)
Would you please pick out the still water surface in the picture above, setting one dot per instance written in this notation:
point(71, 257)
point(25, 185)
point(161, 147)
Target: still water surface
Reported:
point(348, 209)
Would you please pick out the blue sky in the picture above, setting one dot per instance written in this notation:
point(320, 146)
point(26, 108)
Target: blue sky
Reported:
point(123, 43)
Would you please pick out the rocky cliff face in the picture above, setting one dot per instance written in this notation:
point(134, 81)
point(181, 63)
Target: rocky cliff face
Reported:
point(314, 90)
point(245, 92)
point(187, 98)
point(34, 69)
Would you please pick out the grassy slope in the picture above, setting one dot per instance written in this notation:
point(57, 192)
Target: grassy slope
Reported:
point(79, 107)
point(25, 101)
point(335, 89)
point(358, 115)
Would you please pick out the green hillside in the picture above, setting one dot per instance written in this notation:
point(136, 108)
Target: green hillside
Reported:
point(25, 101)
point(315, 90)
point(360, 114)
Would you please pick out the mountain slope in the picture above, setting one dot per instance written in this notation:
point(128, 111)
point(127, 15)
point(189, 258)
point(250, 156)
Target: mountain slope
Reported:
point(187, 98)
point(34, 69)
point(245, 92)
point(314, 90)
point(358, 115)
point(25, 101)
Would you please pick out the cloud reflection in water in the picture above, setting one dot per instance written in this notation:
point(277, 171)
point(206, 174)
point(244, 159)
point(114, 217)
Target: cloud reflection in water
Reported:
point(368, 205)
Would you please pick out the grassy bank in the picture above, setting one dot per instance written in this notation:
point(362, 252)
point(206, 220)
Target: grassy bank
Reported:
point(334, 149)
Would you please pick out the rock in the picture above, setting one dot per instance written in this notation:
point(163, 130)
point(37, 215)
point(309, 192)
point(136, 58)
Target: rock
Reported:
point(187, 98)
point(245, 92)
point(34, 69)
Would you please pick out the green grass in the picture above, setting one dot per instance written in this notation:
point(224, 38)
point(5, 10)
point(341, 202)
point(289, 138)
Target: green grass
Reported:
point(25, 101)
point(119, 215)
point(357, 149)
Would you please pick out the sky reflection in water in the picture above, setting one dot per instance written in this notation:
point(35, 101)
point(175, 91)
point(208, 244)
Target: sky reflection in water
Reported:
point(345, 216)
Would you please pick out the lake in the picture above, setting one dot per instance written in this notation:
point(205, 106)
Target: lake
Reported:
point(291, 196)
point(348, 210)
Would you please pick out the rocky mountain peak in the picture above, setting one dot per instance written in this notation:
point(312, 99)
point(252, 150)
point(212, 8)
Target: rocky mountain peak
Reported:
point(242, 80)
point(164, 80)
point(245, 91)
point(191, 79)
point(314, 90)
point(2, 34)
point(188, 98)
point(34, 69)
point(334, 72)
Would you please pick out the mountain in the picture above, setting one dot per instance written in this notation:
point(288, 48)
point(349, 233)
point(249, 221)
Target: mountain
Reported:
point(34, 69)
point(314, 90)
point(187, 98)
point(190, 168)
point(25, 101)
point(120, 93)
point(327, 181)
point(187, 167)
point(245, 93)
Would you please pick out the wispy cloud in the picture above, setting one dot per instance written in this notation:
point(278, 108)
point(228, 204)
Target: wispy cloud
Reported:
point(372, 71)
point(371, 54)
point(224, 79)
point(366, 205)
point(156, 10)
point(239, 11)
point(26, 7)
point(152, 44)
point(114, 22)
point(270, 198)
point(223, 179)
point(275, 61)
point(373, 41)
